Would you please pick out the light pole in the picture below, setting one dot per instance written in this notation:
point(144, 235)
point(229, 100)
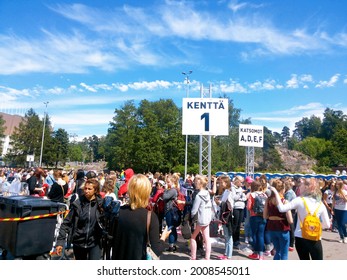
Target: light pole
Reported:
point(186, 74)
point(43, 132)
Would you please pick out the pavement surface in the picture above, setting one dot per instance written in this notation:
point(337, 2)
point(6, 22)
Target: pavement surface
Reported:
point(332, 249)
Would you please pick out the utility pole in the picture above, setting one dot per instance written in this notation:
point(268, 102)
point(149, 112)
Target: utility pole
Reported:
point(186, 74)
point(43, 132)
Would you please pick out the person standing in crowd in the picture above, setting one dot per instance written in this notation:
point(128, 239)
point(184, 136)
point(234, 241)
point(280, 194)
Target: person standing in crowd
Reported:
point(123, 190)
point(278, 223)
point(202, 207)
point(36, 181)
point(257, 221)
point(312, 195)
point(130, 238)
point(227, 198)
point(247, 226)
point(340, 210)
point(59, 187)
point(170, 196)
point(238, 208)
point(328, 198)
point(289, 195)
point(158, 202)
point(83, 226)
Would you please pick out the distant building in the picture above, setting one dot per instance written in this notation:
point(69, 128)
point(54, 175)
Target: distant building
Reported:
point(11, 121)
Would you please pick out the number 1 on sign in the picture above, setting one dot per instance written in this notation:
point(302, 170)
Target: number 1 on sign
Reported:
point(206, 116)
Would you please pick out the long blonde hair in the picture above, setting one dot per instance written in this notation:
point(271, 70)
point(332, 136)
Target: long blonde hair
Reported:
point(310, 187)
point(139, 190)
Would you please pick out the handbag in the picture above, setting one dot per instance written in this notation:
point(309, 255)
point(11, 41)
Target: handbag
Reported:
point(150, 255)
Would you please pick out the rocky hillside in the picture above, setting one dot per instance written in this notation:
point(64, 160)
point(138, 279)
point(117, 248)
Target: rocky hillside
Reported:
point(295, 162)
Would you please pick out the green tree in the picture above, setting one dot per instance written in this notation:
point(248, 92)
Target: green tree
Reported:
point(271, 160)
point(121, 137)
point(312, 146)
point(2, 131)
point(285, 134)
point(332, 121)
point(27, 137)
point(60, 147)
point(307, 127)
point(75, 152)
point(149, 152)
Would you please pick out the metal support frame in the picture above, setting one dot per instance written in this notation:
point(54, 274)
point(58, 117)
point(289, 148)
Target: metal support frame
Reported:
point(205, 143)
point(250, 161)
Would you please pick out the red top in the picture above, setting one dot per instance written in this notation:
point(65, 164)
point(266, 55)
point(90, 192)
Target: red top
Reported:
point(276, 225)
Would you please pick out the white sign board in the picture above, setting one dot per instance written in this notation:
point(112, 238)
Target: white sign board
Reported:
point(30, 158)
point(251, 135)
point(205, 116)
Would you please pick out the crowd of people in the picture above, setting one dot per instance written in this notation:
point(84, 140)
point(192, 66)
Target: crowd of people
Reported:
point(268, 213)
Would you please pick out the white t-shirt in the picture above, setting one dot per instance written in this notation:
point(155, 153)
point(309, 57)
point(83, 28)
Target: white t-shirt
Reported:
point(312, 204)
point(340, 203)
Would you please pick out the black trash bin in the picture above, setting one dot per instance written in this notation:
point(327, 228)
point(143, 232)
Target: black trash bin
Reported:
point(31, 237)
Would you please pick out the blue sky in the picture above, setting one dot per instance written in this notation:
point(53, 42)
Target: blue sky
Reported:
point(279, 61)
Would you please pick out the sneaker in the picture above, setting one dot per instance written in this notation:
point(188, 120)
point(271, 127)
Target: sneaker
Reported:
point(254, 256)
point(267, 253)
point(246, 240)
point(341, 241)
point(345, 240)
point(171, 249)
point(222, 257)
point(291, 249)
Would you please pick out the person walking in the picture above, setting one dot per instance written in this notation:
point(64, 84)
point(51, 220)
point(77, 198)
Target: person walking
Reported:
point(311, 195)
point(83, 226)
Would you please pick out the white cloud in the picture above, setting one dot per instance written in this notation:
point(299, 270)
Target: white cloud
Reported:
point(232, 87)
point(87, 87)
point(293, 82)
point(330, 83)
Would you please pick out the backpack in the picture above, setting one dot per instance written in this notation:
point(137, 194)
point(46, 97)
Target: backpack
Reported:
point(158, 207)
point(225, 212)
point(311, 227)
point(259, 203)
point(176, 215)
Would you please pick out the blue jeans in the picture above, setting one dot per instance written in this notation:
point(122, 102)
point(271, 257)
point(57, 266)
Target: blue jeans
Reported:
point(341, 220)
point(228, 236)
point(173, 233)
point(247, 227)
point(280, 240)
point(258, 231)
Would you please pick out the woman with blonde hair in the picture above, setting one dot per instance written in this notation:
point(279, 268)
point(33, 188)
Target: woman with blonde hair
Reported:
point(227, 199)
point(202, 207)
point(130, 238)
point(340, 210)
point(310, 196)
